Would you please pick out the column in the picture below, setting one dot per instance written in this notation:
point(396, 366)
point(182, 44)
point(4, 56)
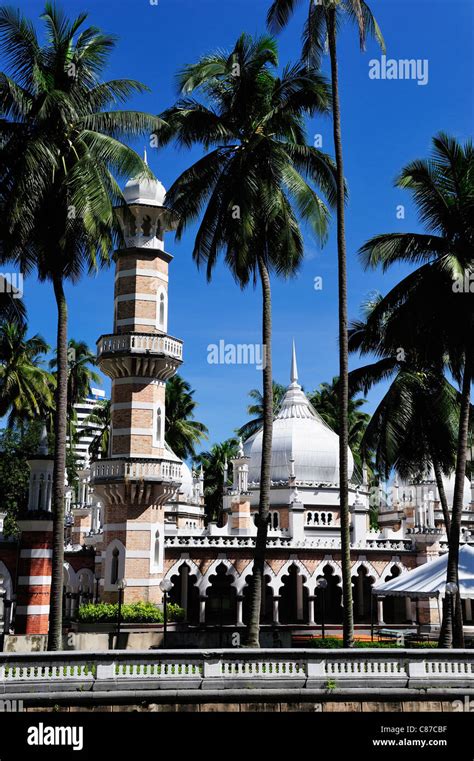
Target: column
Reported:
point(240, 610)
point(311, 620)
point(408, 609)
point(202, 610)
point(184, 589)
point(413, 611)
point(380, 610)
point(276, 613)
point(299, 597)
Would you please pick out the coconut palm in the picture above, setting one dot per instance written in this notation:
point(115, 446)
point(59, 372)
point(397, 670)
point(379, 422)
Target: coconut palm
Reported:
point(320, 32)
point(256, 409)
point(414, 427)
point(60, 157)
point(251, 189)
point(435, 299)
point(25, 387)
point(216, 462)
point(183, 433)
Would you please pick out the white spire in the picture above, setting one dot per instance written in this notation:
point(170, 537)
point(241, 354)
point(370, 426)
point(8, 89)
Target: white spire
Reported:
point(145, 156)
point(294, 367)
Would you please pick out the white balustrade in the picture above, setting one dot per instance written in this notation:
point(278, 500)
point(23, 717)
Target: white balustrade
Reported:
point(136, 470)
point(140, 343)
point(242, 669)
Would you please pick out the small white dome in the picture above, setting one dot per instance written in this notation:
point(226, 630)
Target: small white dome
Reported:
point(186, 487)
point(299, 434)
point(147, 192)
point(448, 483)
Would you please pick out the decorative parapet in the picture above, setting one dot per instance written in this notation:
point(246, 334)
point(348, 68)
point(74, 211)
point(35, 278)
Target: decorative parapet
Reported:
point(76, 673)
point(135, 470)
point(283, 543)
point(140, 343)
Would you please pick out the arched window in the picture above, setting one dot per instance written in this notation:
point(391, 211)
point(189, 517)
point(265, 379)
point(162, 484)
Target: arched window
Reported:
point(158, 426)
point(161, 310)
point(309, 518)
point(316, 518)
point(156, 555)
point(146, 226)
point(275, 520)
point(114, 567)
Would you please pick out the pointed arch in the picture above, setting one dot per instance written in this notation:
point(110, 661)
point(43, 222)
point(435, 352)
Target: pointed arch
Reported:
point(284, 572)
point(193, 567)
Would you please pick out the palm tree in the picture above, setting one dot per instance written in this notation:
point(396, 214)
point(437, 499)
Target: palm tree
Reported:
point(183, 433)
point(216, 462)
point(79, 379)
point(442, 188)
point(60, 157)
point(97, 424)
point(256, 409)
point(414, 427)
point(251, 189)
point(25, 387)
point(321, 28)
point(325, 400)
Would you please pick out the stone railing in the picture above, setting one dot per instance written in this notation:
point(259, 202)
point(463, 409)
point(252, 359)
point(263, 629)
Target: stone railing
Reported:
point(140, 343)
point(74, 672)
point(136, 470)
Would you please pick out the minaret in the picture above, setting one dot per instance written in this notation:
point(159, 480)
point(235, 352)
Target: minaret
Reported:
point(141, 473)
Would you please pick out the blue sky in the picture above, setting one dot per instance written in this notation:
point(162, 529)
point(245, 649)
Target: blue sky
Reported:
point(385, 125)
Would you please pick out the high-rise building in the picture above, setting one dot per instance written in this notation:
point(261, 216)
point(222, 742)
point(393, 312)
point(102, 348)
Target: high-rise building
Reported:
point(83, 409)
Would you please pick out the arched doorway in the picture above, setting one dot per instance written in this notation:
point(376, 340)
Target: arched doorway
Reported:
point(185, 593)
point(221, 606)
point(332, 598)
point(293, 597)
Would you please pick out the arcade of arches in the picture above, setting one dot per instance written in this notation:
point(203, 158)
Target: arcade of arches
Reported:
point(221, 597)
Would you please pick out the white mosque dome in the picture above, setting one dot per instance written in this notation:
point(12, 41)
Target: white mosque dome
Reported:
point(448, 483)
point(186, 487)
point(299, 434)
point(143, 191)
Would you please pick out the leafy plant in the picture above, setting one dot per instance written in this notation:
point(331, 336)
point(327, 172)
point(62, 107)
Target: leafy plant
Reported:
point(136, 612)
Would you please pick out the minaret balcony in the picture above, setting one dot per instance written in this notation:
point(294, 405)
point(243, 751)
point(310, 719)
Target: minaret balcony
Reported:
point(139, 354)
point(136, 470)
point(131, 481)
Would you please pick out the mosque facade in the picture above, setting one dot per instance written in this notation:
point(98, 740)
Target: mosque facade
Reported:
point(141, 515)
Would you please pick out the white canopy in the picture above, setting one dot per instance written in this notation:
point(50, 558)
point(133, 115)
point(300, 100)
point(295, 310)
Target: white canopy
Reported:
point(429, 580)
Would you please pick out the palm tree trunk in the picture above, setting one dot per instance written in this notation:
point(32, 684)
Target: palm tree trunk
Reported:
point(348, 613)
point(60, 429)
point(257, 583)
point(442, 495)
point(452, 633)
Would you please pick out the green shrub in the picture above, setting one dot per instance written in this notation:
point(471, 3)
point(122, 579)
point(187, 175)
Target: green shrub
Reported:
point(136, 612)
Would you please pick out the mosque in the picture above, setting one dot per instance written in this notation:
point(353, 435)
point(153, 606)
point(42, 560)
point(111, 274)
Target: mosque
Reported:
point(140, 517)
